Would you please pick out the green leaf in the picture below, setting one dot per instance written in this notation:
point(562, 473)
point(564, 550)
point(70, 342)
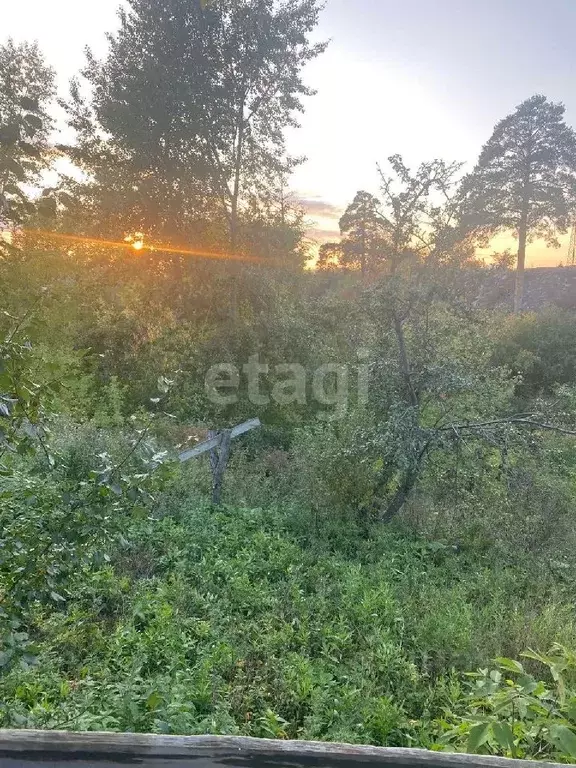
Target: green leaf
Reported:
point(153, 700)
point(139, 512)
point(564, 738)
point(503, 736)
point(547, 660)
point(478, 736)
point(510, 664)
point(527, 683)
point(571, 710)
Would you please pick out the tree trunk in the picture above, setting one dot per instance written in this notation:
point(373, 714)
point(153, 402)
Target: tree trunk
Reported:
point(404, 362)
point(234, 218)
point(235, 197)
point(363, 257)
point(407, 485)
point(411, 475)
point(401, 495)
point(522, 238)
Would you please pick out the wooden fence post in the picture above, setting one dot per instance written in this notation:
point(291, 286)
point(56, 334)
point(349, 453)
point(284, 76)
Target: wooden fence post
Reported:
point(219, 445)
point(219, 461)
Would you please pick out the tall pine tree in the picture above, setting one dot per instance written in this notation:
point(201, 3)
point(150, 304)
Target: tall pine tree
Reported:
point(363, 236)
point(525, 179)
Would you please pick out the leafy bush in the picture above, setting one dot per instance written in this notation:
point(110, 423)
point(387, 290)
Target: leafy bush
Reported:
point(512, 713)
point(540, 348)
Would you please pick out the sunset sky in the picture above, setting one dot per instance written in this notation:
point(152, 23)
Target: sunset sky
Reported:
point(423, 78)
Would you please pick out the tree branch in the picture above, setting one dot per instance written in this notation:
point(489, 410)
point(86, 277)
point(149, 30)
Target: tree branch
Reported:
point(529, 422)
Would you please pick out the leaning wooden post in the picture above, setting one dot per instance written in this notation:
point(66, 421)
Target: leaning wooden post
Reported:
point(213, 434)
point(219, 464)
point(219, 444)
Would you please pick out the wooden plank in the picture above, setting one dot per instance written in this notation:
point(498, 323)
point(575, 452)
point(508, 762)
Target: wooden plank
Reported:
point(201, 448)
point(52, 749)
point(246, 427)
point(214, 442)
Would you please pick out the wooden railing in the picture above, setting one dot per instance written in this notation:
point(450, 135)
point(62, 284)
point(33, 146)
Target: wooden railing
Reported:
point(54, 749)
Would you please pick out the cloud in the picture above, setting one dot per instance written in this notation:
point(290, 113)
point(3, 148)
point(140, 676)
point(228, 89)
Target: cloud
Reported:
point(324, 219)
point(322, 235)
point(318, 207)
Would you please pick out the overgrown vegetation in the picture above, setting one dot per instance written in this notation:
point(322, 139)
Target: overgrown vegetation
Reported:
point(405, 516)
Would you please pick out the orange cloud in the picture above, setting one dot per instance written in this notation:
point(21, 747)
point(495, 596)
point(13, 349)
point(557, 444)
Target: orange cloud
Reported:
point(323, 224)
point(320, 208)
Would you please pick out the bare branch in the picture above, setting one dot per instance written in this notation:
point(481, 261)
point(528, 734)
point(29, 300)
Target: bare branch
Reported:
point(527, 422)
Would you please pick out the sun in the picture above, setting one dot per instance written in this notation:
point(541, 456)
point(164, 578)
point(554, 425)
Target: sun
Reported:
point(135, 241)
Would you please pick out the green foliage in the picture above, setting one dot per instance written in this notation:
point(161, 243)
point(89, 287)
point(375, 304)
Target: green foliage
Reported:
point(513, 714)
point(55, 520)
point(131, 604)
point(26, 88)
point(22, 403)
point(363, 245)
point(540, 349)
point(210, 166)
point(234, 621)
point(332, 468)
point(292, 611)
point(369, 552)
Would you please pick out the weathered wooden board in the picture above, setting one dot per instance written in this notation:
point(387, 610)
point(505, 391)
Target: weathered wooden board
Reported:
point(52, 749)
point(214, 442)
